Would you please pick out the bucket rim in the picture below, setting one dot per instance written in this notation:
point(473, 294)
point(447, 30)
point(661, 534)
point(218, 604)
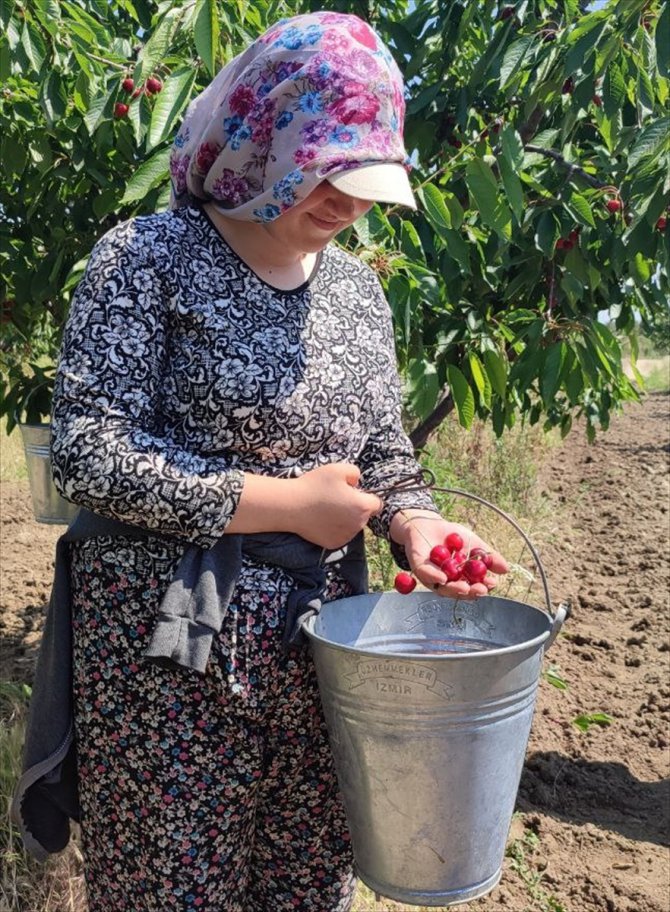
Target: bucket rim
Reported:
point(533, 643)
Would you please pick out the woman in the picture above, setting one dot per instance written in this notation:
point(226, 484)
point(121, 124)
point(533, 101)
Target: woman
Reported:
point(226, 372)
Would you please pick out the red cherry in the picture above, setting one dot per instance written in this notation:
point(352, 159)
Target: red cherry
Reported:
point(404, 583)
point(474, 571)
point(507, 12)
point(120, 109)
point(661, 223)
point(613, 205)
point(452, 569)
point(153, 85)
point(456, 143)
point(497, 125)
point(453, 541)
point(560, 244)
point(574, 235)
point(568, 244)
point(439, 554)
point(568, 86)
point(597, 101)
point(128, 85)
point(484, 134)
point(482, 555)
point(459, 556)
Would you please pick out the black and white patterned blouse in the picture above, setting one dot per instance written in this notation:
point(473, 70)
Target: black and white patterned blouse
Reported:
point(181, 369)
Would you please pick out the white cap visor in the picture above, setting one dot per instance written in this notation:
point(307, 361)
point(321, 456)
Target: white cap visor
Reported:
point(382, 182)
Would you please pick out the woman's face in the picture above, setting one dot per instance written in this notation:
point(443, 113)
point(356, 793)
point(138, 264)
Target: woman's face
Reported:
point(310, 225)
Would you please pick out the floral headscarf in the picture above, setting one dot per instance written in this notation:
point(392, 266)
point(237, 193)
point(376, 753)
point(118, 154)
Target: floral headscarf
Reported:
point(314, 95)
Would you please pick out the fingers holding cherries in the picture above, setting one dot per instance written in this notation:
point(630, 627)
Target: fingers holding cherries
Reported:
point(462, 565)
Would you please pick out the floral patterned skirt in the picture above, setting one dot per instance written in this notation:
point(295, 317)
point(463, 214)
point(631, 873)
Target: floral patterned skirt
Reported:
point(213, 792)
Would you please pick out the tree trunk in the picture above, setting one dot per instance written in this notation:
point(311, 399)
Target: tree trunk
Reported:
point(419, 436)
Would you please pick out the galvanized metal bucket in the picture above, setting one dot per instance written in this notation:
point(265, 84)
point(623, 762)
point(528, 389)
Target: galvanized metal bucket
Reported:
point(48, 505)
point(429, 703)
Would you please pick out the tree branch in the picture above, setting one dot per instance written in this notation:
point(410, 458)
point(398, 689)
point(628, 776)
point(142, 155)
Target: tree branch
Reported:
point(569, 166)
point(419, 436)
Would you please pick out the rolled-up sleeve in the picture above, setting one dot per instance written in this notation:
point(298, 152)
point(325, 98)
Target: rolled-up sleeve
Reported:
point(109, 452)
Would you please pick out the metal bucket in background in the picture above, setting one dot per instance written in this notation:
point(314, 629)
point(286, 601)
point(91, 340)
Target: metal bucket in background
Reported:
point(429, 703)
point(48, 505)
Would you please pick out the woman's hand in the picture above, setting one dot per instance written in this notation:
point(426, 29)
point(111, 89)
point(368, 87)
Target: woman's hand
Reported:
point(324, 506)
point(329, 509)
point(420, 530)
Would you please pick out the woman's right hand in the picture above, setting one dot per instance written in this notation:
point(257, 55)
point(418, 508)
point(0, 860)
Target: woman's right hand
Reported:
point(330, 509)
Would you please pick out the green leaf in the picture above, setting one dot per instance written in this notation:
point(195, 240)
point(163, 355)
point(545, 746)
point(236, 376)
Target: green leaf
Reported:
point(586, 25)
point(95, 28)
point(424, 387)
point(584, 721)
point(462, 394)
point(149, 174)
point(455, 210)
point(410, 242)
point(436, 208)
point(554, 677)
point(514, 57)
point(640, 269)
point(547, 233)
point(545, 139)
point(81, 94)
point(457, 249)
point(172, 100)
point(362, 228)
point(614, 90)
point(662, 39)
point(14, 156)
point(574, 384)
point(423, 98)
point(496, 368)
point(53, 97)
point(33, 44)
point(552, 369)
point(480, 378)
point(512, 147)
point(206, 33)
point(6, 7)
point(48, 13)
point(645, 92)
point(581, 209)
point(483, 187)
point(157, 46)
point(513, 188)
point(95, 112)
point(400, 303)
point(650, 141)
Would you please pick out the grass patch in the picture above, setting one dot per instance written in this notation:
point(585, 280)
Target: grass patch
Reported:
point(12, 458)
point(26, 885)
point(658, 379)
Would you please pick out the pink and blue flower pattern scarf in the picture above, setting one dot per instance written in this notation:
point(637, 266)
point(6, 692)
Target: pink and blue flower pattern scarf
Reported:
point(314, 95)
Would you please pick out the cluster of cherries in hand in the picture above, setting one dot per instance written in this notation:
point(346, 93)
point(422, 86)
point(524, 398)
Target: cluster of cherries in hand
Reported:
point(453, 562)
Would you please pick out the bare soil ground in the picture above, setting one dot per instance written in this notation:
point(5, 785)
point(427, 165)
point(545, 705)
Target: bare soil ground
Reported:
point(593, 824)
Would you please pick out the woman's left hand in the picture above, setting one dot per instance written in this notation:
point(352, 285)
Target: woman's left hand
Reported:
point(418, 531)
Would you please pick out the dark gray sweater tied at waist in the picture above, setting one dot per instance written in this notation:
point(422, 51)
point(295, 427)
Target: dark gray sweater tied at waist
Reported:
point(191, 614)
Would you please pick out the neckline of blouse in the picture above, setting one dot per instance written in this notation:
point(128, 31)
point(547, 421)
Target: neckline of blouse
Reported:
point(280, 291)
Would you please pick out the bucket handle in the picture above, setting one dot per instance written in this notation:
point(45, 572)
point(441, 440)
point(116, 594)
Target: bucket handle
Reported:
point(424, 480)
